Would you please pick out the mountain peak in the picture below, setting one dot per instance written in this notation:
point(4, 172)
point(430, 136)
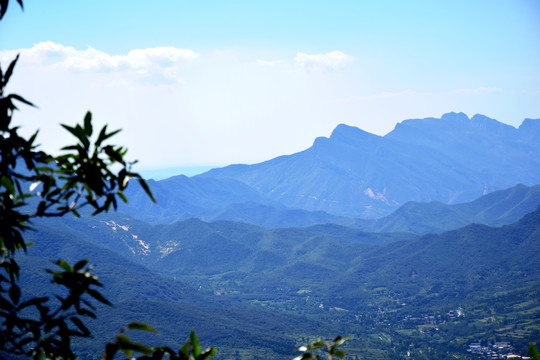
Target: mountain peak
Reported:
point(530, 125)
point(529, 130)
point(350, 135)
point(495, 127)
point(453, 116)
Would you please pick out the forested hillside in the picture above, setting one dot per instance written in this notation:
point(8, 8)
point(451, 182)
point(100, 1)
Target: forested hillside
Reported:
point(327, 278)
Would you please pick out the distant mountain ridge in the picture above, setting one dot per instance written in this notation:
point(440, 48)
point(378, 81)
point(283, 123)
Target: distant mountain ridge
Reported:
point(354, 173)
point(497, 208)
point(357, 174)
point(494, 209)
point(202, 245)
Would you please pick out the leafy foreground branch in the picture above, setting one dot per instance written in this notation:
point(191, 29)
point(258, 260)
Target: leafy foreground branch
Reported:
point(191, 350)
point(330, 349)
point(43, 327)
point(34, 184)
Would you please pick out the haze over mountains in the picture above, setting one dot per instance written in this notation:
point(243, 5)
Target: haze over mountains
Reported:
point(261, 257)
point(356, 174)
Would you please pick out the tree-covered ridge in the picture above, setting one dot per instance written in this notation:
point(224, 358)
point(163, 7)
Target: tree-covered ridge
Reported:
point(345, 280)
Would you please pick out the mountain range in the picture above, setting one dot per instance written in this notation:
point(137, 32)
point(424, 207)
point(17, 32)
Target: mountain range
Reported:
point(356, 174)
point(383, 238)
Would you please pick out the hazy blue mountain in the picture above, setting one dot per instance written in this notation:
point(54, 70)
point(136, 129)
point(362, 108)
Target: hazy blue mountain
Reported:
point(497, 208)
point(269, 216)
point(493, 149)
point(181, 197)
point(354, 173)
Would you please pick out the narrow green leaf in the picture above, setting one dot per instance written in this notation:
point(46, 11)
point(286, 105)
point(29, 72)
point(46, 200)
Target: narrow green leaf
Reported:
point(185, 348)
point(113, 154)
point(533, 352)
point(97, 295)
point(127, 352)
point(207, 354)
point(40, 355)
point(33, 302)
point(340, 340)
point(81, 326)
point(3, 8)
point(146, 189)
point(141, 326)
point(72, 147)
point(88, 123)
point(339, 353)
point(79, 265)
point(70, 129)
point(8, 184)
point(195, 343)
point(315, 345)
point(11, 66)
point(64, 265)
point(104, 136)
point(101, 136)
point(110, 350)
point(85, 312)
point(14, 293)
point(21, 99)
point(122, 196)
point(128, 346)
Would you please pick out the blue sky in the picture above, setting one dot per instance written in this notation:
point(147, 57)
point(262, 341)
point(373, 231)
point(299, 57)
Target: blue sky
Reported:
point(196, 83)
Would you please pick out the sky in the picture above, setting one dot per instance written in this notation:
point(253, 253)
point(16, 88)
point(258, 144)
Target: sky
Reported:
point(196, 84)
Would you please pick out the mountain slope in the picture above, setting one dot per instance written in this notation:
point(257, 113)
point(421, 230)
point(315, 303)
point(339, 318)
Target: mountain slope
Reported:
point(253, 282)
point(181, 197)
point(473, 263)
point(494, 209)
point(354, 173)
point(171, 306)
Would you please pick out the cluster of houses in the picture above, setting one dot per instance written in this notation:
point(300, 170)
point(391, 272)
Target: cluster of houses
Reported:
point(497, 350)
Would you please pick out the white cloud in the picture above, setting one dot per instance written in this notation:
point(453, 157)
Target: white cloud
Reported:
point(160, 60)
point(333, 59)
point(178, 107)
